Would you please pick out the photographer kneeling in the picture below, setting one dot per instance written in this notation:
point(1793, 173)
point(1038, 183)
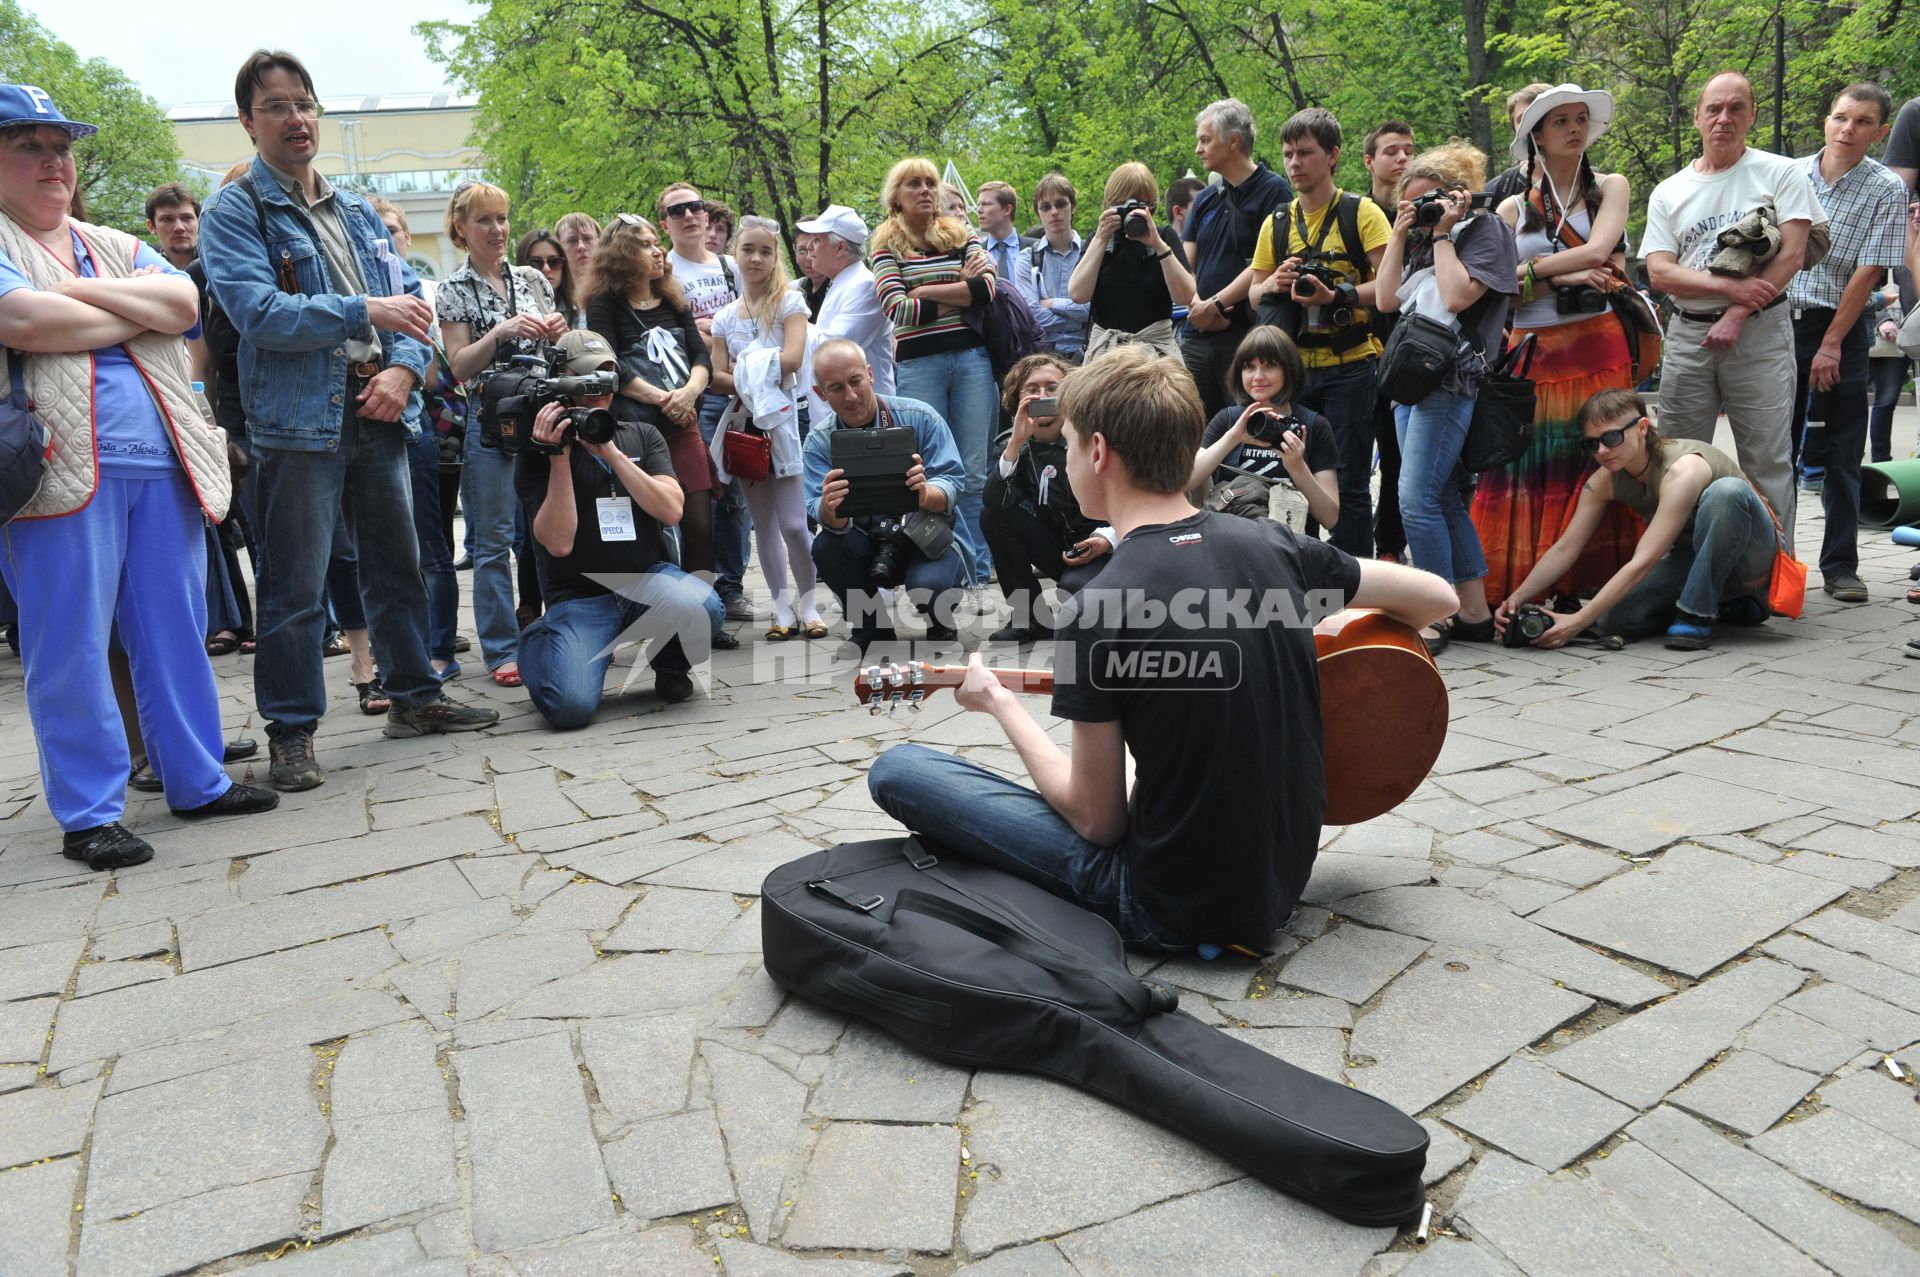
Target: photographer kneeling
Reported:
point(581, 482)
point(857, 555)
point(1707, 553)
point(1032, 520)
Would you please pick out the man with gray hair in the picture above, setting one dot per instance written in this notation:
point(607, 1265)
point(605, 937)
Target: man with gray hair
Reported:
point(1221, 229)
point(837, 240)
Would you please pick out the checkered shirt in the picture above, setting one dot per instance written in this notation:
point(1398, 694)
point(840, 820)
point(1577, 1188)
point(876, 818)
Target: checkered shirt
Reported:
point(1867, 217)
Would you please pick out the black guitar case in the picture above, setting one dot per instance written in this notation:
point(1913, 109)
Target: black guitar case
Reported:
point(977, 967)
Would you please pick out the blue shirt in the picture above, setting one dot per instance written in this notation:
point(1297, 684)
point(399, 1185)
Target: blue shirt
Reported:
point(939, 455)
point(1066, 320)
point(1223, 225)
point(128, 428)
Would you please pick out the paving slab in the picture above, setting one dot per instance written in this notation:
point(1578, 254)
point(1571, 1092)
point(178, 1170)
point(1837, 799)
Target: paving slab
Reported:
point(631, 985)
point(1338, 876)
point(581, 906)
point(761, 1110)
point(346, 859)
point(37, 1203)
point(1449, 916)
point(1877, 1100)
point(878, 1188)
point(1889, 984)
point(744, 1259)
point(1267, 1233)
point(1821, 1227)
point(1534, 1113)
point(45, 1122)
point(35, 969)
point(23, 1029)
point(674, 918)
point(1853, 1013)
point(1864, 937)
point(303, 1024)
point(286, 922)
point(1640, 1059)
point(671, 1166)
point(1798, 1042)
point(1665, 810)
point(1320, 1051)
point(1573, 865)
point(1494, 1173)
point(393, 1140)
point(1851, 1157)
point(1746, 1092)
point(1696, 1227)
point(1450, 1257)
point(1351, 963)
point(1448, 1020)
point(180, 1235)
point(496, 972)
point(657, 1252)
point(453, 928)
point(641, 1066)
point(1563, 1225)
point(1054, 1149)
point(1287, 1009)
point(877, 1078)
point(536, 1169)
point(1690, 911)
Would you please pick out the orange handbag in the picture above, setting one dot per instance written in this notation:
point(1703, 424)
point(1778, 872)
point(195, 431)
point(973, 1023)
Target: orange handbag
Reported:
point(1787, 588)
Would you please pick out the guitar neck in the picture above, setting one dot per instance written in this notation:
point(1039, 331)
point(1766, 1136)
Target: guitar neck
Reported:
point(913, 681)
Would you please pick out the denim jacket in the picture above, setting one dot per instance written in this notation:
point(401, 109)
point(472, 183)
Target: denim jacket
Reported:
point(293, 354)
point(938, 453)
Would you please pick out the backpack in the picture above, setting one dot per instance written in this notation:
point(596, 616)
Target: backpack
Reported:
point(23, 443)
point(1285, 313)
point(1006, 326)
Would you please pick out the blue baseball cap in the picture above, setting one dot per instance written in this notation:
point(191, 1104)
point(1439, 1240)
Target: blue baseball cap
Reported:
point(25, 104)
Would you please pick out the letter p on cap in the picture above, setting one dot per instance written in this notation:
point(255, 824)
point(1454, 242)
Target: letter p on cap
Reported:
point(41, 101)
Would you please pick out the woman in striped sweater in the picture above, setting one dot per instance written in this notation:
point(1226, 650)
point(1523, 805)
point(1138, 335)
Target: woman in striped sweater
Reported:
point(928, 268)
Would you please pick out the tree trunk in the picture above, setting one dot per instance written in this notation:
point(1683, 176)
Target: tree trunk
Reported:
point(1480, 72)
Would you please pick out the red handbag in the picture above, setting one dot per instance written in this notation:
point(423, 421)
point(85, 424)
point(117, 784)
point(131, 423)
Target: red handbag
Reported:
point(747, 453)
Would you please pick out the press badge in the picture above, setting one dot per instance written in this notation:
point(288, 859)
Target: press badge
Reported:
point(616, 518)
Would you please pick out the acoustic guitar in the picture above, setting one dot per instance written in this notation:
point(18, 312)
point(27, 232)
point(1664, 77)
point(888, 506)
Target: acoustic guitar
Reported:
point(1383, 707)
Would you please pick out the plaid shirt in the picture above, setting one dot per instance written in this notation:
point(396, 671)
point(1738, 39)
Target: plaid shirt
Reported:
point(1867, 217)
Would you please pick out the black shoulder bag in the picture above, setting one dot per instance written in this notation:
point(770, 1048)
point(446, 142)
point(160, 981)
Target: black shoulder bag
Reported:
point(1502, 424)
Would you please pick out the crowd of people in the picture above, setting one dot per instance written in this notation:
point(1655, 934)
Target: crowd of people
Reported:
point(719, 394)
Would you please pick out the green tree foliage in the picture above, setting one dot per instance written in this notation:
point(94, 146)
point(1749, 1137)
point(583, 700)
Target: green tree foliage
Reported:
point(134, 151)
point(782, 105)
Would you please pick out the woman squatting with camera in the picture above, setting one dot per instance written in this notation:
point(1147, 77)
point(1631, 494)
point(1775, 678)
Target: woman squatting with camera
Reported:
point(1128, 273)
point(759, 345)
point(1454, 265)
point(1707, 554)
point(1032, 519)
point(1569, 227)
point(490, 312)
point(1270, 458)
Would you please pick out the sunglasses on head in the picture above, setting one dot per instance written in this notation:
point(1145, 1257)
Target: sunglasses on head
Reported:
point(1613, 438)
point(687, 209)
point(629, 219)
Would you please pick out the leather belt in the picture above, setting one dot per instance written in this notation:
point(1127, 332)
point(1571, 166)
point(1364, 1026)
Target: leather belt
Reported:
point(366, 371)
point(1713, 316)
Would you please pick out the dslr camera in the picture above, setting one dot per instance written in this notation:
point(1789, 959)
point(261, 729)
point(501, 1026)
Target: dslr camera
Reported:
point(1270, 428)
point(1431, 207)
point(1340, 313)
point(895, 541)
point(1526, 627)
point(513, 392)
point(1136, 221)
point(1578, 299)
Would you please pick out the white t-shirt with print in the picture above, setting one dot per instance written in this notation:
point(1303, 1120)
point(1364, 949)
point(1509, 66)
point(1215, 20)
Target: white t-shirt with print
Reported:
point(705, 284)
point(743, 334)
point(1690, 209)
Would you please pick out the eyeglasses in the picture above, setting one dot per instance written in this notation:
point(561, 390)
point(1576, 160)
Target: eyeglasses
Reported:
point(1613, 438)
point(281, 109)
point(687, 209)
point(1056, 205)
point(546, 263)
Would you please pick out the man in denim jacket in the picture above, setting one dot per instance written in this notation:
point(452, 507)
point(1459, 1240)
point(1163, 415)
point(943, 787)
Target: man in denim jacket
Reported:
point(333, 350)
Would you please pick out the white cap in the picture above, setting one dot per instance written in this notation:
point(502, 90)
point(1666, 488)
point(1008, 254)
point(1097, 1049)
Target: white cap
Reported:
point(836, 219)
point(1599, 104)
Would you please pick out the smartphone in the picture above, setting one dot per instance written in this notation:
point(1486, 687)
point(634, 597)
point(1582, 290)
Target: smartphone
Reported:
point(1048, 407)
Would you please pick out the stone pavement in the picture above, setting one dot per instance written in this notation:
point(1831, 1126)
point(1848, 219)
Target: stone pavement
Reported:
point(492, 1004)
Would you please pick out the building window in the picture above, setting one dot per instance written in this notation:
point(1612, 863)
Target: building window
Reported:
point(423, 268)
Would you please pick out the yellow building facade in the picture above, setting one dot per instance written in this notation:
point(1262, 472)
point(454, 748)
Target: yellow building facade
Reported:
point(412, 148)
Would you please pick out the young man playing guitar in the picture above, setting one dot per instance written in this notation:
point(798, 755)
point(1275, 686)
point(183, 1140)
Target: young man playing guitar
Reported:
point(1164, 659)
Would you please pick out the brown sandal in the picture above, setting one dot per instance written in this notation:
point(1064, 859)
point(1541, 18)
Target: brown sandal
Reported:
point(781, 633)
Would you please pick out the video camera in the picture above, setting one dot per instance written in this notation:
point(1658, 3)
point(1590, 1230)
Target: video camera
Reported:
point(513, 391)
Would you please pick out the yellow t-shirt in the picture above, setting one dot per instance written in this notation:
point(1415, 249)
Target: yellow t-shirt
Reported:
point(1375, 230)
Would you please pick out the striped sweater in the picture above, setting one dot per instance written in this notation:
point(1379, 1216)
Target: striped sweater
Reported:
point(924, 327)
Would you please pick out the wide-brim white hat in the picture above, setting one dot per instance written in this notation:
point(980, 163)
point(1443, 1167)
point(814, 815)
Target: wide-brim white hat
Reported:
point(1599, 104)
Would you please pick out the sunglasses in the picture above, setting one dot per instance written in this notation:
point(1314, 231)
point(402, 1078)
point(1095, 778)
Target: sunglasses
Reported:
point(629, 219)
point(687, 209)
point(1590, 444)
point(547, 263)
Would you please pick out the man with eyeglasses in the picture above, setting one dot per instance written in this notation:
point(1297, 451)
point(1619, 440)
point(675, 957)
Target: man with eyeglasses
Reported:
point(1050, 265)
point(333, 350)
point(710, 280)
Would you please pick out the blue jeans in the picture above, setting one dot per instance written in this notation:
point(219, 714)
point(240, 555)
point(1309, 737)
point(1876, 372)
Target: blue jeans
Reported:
point(436, 556)
point(1726, 551)
point(984, 816)
point(1344, 395)
point(487, 497)
point(1889, 375)
point(564, 655)
point(959, 386)
point(343, 579)
point(299, 495)
point(732, 525)
point(843, 559)
point(136, 551)
point(1840, 443)
point(1440, 536)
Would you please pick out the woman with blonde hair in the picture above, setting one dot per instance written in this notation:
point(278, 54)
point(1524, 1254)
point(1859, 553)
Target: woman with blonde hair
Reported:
point(1129, 275)
point(928, 268)
point(1457, 271)
point(759, 345)
point(634, 301)
point(491, 311)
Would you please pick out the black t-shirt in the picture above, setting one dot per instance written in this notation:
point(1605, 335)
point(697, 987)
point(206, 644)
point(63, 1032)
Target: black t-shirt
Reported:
point(1903, 144)
point(626, 329)
point(1131, 292)
point(1264, 458)
point(568, 578)
point(1207, 708)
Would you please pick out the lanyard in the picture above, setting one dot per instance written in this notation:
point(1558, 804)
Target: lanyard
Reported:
point(1326, 224)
